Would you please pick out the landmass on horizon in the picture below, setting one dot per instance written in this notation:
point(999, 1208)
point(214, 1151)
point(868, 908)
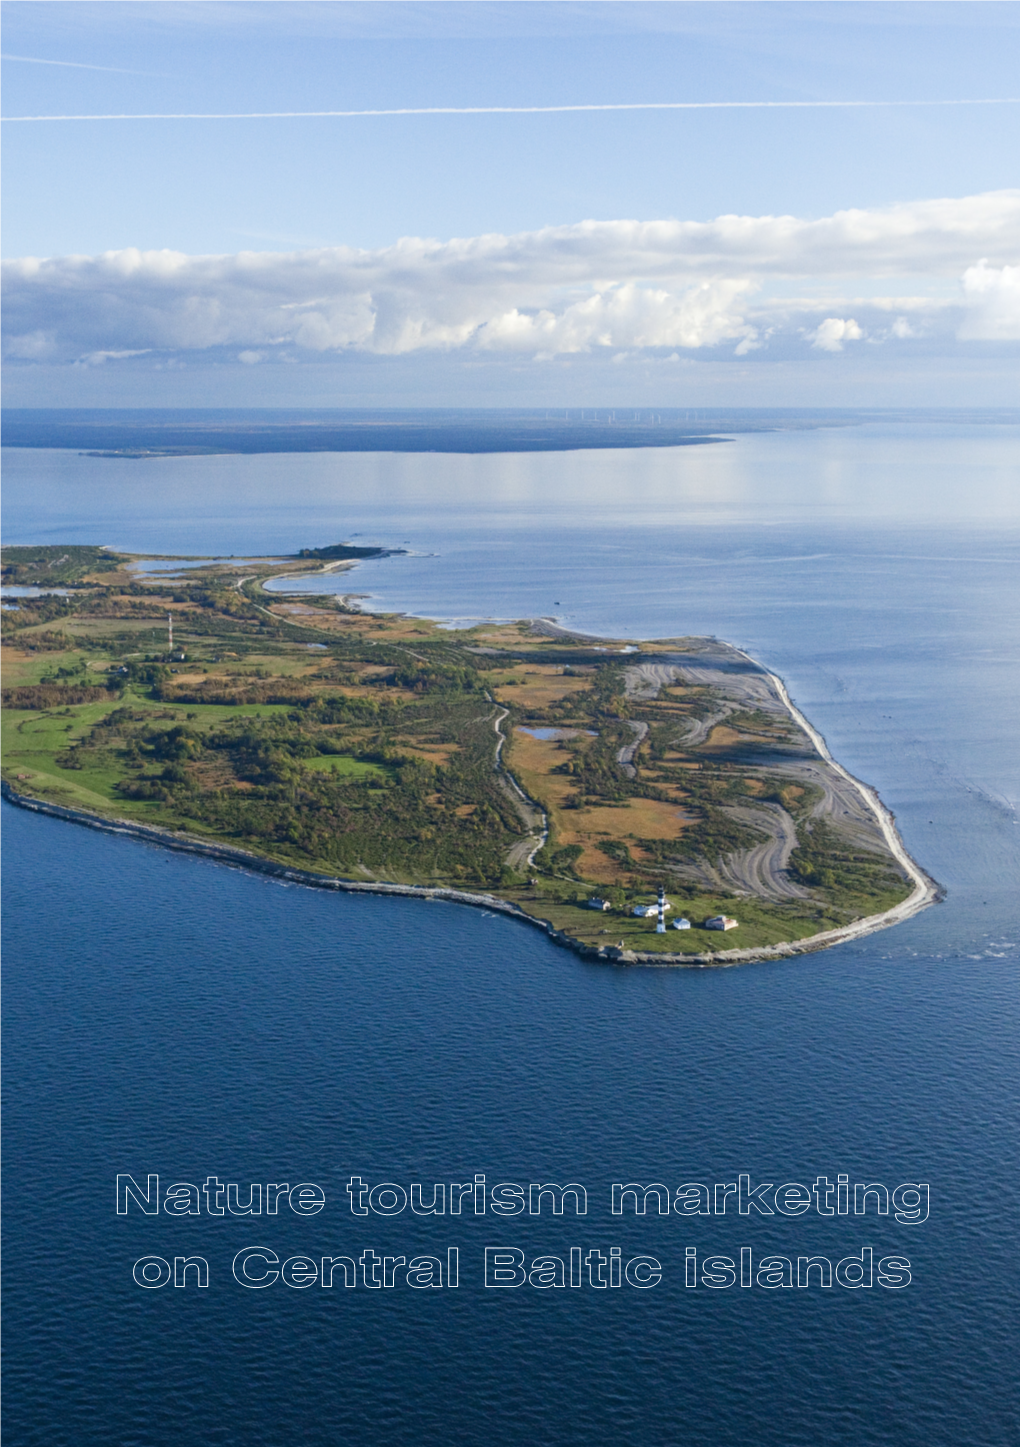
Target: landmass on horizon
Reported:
point(141, 433)
point(520, 765)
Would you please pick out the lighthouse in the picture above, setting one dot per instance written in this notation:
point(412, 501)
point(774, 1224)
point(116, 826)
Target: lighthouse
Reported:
point(660, 928)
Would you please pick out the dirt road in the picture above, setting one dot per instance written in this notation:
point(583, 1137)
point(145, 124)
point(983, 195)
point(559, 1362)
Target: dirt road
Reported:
point(520, 855)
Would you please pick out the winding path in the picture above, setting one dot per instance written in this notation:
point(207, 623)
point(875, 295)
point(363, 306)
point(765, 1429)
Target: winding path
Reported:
point(519, 856)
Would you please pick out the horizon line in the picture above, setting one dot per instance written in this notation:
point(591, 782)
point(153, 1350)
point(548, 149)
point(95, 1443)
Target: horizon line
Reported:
point(517, 110)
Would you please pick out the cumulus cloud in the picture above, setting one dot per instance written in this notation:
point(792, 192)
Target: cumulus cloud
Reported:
point(993, 303)
point(622, 285)
point(626, 316)
point(833, 332)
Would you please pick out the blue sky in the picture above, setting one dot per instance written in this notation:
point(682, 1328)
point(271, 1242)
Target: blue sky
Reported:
point(515, 259)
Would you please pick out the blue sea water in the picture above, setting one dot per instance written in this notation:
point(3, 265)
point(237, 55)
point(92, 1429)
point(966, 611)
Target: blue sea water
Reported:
point(167, 1014)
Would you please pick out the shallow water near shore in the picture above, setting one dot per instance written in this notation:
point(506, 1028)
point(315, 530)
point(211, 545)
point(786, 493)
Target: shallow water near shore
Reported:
point(168, 1014)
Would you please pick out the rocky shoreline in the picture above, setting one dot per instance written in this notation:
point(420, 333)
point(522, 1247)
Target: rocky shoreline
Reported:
point(926, 892)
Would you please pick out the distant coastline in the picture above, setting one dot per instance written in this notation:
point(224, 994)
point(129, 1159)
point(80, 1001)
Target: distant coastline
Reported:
point(150, 433)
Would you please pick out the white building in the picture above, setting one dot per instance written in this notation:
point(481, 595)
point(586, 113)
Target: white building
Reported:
point(597, 903)
point(649, 911)
point(681, 924)
point(721, 921)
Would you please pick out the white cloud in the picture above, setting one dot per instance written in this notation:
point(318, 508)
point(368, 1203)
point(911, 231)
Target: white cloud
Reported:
point(833, 332)
point(97, 359)
point(570, 289)
point(626, 316)
point(993, 303)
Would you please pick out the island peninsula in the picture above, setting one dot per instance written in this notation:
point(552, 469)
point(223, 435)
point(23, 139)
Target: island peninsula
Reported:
point(561, 778)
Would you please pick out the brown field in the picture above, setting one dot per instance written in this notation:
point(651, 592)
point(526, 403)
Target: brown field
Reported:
point(723, 737)
point(21, 667)
point(532, 761)
point(538, 686)
point(356, 690)
point(643, 818)
point(533, 758)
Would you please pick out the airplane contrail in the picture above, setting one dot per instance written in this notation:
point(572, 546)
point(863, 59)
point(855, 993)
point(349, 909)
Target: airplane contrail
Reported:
point(71, 64)
point(681, 105)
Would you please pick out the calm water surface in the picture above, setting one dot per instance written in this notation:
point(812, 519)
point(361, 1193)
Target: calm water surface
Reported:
point(167, 1014)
